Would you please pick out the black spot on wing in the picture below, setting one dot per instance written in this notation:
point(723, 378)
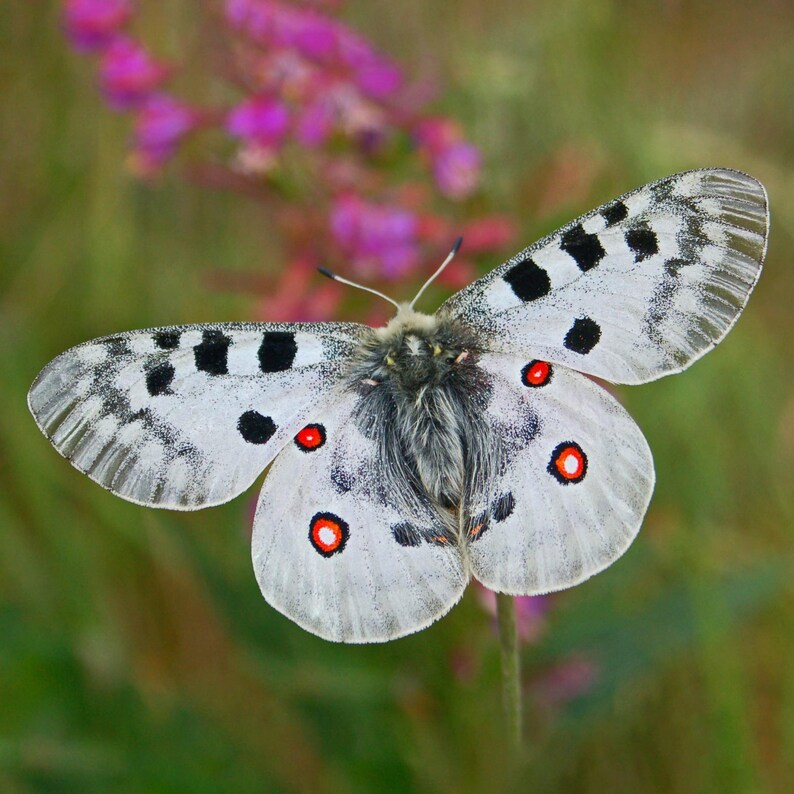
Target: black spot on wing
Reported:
point(643, 241)
point(586, 249)
point(255, 428)
point(615, 213)
point(583, 335)
point(528, 428)
point(116, 346)
point(212, 353)
point(166, 340)
point(341, 479)
point(277, 351)
point(406, 534)
point(503, 507)
point(673, 266)
point(662, 191)
point(527, 280)
point(159, 379)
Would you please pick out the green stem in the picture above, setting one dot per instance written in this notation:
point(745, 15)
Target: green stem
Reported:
point(511, 680)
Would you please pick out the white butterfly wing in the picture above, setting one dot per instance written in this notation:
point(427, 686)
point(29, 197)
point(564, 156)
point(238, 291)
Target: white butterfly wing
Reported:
point(333, 553)
point(639, 288)
point(186, 417)
point(577, 481)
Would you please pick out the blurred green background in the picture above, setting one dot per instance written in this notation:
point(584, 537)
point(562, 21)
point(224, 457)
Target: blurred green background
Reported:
point(136, 653)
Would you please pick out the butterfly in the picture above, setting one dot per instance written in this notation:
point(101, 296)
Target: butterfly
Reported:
point(410, 458)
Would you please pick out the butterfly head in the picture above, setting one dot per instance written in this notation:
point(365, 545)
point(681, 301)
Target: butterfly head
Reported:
point(415, 350)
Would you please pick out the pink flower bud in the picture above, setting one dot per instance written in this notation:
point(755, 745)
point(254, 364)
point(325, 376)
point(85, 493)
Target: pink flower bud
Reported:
point(315, 123)
point(378, 238)
point(262, 120)
point(315, 36)
point(160, 126)
point(128, 74)
point(379, 80)
point(92, 24)
point(456, 170)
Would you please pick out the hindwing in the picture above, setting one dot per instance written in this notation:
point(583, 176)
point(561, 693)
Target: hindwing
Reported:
point(576, 480)
point(337, 551)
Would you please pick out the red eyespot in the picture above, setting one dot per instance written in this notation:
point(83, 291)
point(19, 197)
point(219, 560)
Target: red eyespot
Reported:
point(568, 463)
point(328, 533)
point(310, 438)
point(536, 373)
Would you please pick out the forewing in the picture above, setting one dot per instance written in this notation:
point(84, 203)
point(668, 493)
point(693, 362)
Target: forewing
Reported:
point(186, 417)
point(576, 483)
point(639, 288)
point(331, 550)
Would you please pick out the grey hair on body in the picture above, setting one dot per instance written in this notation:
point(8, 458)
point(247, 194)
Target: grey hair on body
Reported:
point(423, 399)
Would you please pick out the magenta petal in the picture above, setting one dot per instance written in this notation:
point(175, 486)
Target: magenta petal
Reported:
point(457, 170)
point(160, 125)
point(237, 12)
point(316, 36)
point(261, 120)
point(92, 24)
point(354, 51)
point(379, 80)
point(128, 74)
point(315, 124)
point(376, 234)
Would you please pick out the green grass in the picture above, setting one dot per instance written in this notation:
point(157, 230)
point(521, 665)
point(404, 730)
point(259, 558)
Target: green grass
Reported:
point(136, 653)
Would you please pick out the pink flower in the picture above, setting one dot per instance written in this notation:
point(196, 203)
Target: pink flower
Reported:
point(379, 79)
point(128, 74)
point(312, 34)
point(262, 121)
point(376, 236)
point(254, 17)
point(315, 123)
point(454, 162)
point(434, 134)
point(237, 12)
point(315, 36)
point(160, 126)
point(456, 170)
point(354, 51)
point(91, 24)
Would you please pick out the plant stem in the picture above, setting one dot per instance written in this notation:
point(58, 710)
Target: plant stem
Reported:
point(511, 680)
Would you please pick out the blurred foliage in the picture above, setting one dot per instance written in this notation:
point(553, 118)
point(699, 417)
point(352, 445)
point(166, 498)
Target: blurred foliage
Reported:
point(136, 653)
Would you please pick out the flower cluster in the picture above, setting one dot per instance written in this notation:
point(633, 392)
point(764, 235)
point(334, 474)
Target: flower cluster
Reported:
point(131, 80)
point(313, 107)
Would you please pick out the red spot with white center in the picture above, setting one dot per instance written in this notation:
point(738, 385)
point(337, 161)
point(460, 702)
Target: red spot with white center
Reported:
point(312, 437)
point(568, 463)
point(536, 373)
point(328, 533)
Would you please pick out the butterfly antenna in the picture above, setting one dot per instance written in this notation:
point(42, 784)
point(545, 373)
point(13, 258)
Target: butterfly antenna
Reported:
point(326, 272)
point(432, 278)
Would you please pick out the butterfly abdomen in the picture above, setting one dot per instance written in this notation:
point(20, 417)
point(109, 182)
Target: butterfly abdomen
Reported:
point(422, 399)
